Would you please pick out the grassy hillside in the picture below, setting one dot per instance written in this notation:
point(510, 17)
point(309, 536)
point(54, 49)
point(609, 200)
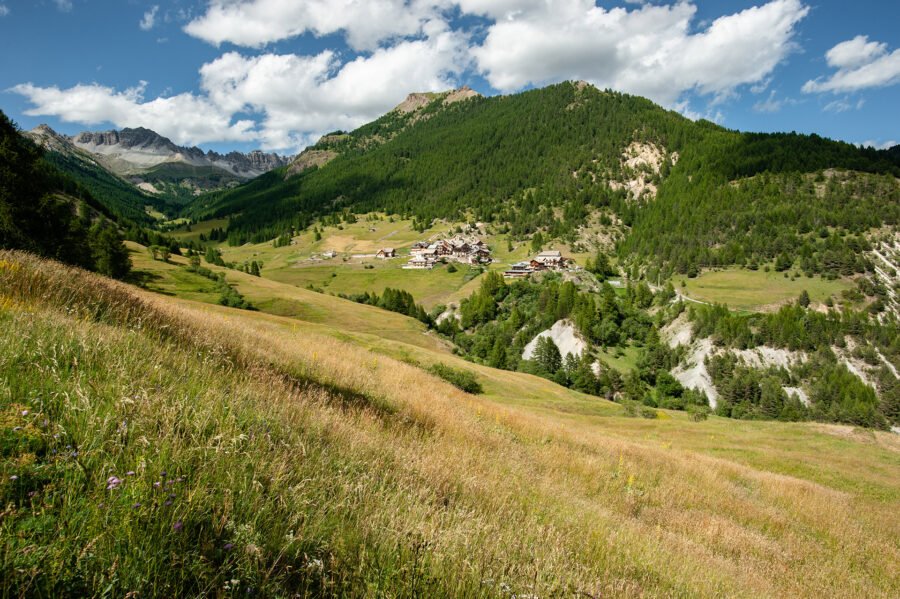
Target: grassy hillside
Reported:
point(158, 446)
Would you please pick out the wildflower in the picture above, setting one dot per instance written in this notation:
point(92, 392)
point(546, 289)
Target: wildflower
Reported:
point(157, 485)
point(229, 546)
point(136, 505)
point(170, 483)
point(24, 412)
point(13, 477)
point(167, 502)
point(129, 473)
point(74, 454)
point(32, 493)
point(163, 473)
point(113, 482)
point(178, 526)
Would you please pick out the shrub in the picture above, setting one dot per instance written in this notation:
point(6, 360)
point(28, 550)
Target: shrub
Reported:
point(649, 413)
point(461, 379)
point(698, 413)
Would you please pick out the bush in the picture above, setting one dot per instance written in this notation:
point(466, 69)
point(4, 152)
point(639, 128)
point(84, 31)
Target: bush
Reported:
point(698, 413)
point(649, 413)
point(461, 379)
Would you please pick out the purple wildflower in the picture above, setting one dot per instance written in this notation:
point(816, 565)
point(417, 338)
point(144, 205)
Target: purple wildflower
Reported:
point(178, 526)
point(229, 546)
point(157, 485)
point(113, 482)
point(136, 505)
point(129, 473)
point(167, 502)
point(24, 412)
point(163, 473)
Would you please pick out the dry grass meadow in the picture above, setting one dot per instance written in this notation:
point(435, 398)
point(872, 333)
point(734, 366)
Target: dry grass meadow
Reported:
point(266, 455)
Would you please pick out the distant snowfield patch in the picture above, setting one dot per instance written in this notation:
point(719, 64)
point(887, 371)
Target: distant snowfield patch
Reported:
point(564, 335)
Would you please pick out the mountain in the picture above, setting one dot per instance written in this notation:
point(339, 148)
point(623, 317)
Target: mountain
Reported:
point(157, 166)
point(45, 212)
point(546, 160)
point(116, 194)
point(137, 151)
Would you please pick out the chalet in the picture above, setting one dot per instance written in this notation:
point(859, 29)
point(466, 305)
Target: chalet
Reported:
point(519, 270)
point(442, 247)
point(386, 253)
point(419, 263)
point(552, 259)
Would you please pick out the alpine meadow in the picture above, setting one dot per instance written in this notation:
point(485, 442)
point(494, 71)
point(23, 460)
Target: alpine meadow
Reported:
point(450, 299)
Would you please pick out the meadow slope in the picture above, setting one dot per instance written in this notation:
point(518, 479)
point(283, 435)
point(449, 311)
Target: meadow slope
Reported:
point(168, 447)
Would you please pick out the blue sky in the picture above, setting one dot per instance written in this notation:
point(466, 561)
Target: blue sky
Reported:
point(276, 74)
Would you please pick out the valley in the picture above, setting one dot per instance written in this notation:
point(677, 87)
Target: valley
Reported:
point(699, 397)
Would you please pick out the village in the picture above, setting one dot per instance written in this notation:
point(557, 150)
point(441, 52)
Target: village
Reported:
point(462, 249)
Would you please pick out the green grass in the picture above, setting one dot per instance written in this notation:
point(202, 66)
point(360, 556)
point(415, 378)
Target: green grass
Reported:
point(624, 363)
point(300, 265)
point(750, 290)
point(169, 278)
point(306, 461)
point(204, 227)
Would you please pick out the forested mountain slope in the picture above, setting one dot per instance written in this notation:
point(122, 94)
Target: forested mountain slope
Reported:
point(47, 213)
point(118, 196)
point(535, 160)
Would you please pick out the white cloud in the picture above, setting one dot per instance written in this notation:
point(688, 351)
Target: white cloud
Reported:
point(407, 45)
point(860, 64)
point(255, 23)
point(302, 95)
point(149, 19)
point(773, 103)
point(648, 51)
point(294, 97)
point(63, 5)
point(185, 118)
point(883, 145)
point(854, 53)
point(4, 10)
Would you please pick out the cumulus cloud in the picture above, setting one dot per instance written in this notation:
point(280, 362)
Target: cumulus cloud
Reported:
point(185, 118)
point(63, 5)
point(149, 19)
point(294, 97)
point(860, 64)
point(649, 51)
point(300, 95)
point(652, 50)
point(255, 23)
